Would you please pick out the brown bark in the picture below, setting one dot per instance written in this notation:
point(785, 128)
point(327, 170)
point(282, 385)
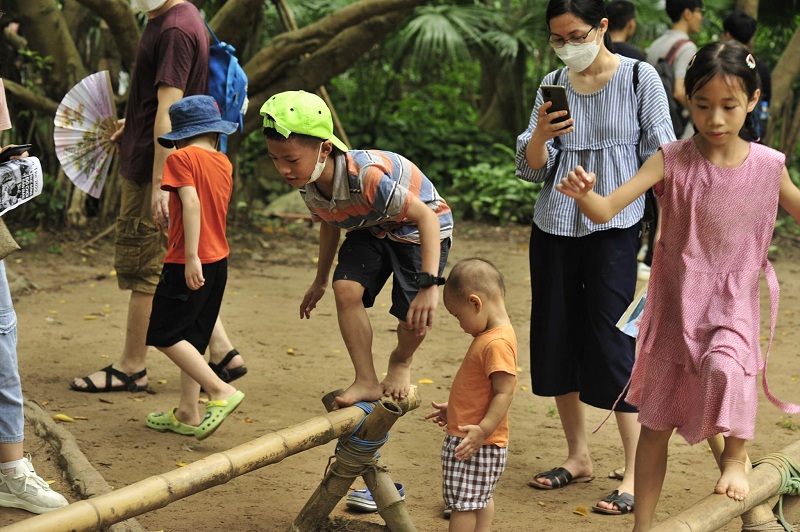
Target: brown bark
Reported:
point(748, 6)
point(122, 23)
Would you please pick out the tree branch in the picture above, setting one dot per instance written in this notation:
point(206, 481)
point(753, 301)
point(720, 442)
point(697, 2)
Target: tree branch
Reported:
point(122, 23)
point(29, 99)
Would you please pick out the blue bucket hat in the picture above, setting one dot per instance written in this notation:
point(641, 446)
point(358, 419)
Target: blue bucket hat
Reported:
point(195, 115)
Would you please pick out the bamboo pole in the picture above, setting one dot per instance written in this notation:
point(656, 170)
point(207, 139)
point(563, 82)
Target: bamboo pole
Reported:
point(343, 472)
point(716, 510)
point(160, 490)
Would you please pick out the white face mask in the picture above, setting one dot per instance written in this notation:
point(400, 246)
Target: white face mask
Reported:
point(318, 168)
point(147, 5)
point(578, 57)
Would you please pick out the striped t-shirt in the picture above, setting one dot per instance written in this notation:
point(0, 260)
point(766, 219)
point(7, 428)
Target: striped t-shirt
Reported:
point(614, 134)
point(373, 190)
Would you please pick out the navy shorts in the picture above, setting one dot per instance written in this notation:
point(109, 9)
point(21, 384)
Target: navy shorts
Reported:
point(182, 314)
point(370, 261)
point(579, 289)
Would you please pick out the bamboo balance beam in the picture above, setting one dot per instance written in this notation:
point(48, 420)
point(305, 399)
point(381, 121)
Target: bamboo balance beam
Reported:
point(160, 490)
point(716, 510)
point(347, 466)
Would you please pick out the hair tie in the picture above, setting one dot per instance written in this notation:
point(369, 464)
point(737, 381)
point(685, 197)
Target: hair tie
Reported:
point(691, 62)
point(751, 61)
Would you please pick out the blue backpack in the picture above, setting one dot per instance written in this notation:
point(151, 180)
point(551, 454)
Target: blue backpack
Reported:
point(227, 84)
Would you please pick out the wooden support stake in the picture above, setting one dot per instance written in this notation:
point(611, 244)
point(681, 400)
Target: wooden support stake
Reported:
point(342, 473)
point(716, 510)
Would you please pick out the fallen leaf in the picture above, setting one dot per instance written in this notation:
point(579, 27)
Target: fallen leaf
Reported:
point(138, 399)
point(542, 503)
point(580, 510)
point(44, 403)
point(523, 388)
point(62, 417)
point(53, 312)
point(290, 351)
point(103, 356)
point(51, 482)
point(425, 381)
point(82, 418)
point(162, 381)
point(112, 273)
point(519, 369)
point(247, 420)
point(180, 463)
point(90, 317)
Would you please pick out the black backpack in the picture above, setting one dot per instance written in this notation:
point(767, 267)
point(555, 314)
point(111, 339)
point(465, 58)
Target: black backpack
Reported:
point(666, 72)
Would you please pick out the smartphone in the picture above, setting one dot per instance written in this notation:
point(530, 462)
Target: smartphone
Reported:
point(14, 150)
point(558, 95)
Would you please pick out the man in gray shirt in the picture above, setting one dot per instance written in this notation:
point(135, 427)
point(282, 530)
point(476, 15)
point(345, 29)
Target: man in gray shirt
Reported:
point(686, 16)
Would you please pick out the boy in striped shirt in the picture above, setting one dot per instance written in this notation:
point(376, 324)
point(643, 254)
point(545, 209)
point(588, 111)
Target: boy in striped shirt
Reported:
point(395, 222)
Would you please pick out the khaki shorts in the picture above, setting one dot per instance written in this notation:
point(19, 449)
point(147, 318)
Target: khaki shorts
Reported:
point(140, 246)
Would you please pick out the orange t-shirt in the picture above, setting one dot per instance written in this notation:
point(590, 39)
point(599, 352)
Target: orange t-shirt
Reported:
point(490, 351)
point(210, 173)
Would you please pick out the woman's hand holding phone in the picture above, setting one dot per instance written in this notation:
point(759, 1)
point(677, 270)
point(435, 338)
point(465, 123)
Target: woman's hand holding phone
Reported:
point(14, 151)
point(554, 115)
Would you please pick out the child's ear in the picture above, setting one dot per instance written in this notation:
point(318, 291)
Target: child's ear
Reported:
point(475, 302)
point(753, 101)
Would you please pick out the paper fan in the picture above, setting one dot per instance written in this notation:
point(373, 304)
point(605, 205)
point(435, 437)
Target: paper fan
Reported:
point(85, 121)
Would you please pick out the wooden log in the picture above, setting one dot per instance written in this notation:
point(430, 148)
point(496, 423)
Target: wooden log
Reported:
point(716, 510)
point(343, 472)
point(160, 490)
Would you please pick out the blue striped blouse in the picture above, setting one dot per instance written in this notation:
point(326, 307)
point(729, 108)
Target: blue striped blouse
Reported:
point(614, 134)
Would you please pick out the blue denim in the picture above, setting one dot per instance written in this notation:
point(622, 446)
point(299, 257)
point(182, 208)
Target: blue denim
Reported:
point(12, 418)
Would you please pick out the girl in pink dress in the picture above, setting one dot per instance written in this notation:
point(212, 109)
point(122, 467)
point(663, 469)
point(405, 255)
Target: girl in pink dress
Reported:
point(699, 351)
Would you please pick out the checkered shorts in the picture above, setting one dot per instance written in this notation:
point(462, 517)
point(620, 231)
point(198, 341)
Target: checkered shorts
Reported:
point(469, 485)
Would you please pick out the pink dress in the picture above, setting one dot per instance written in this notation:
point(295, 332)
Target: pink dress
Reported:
point(699, 351)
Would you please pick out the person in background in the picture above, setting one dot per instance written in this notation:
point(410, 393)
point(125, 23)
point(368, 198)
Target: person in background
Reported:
point(741, 27)
point(621, 27)
point(171, 62)
point(20, 486)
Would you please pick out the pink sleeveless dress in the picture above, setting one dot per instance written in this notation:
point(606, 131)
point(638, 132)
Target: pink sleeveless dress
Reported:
point(699, 352)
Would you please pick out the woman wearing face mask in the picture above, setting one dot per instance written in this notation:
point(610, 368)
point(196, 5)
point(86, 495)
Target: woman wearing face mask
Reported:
point(583, 275)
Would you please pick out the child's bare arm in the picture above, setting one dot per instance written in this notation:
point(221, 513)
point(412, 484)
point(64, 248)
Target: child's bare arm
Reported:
point(503, 387)
point(579, 184)
point(422, 311)
point(328, 244)
point(790, 196)
point(190, 205)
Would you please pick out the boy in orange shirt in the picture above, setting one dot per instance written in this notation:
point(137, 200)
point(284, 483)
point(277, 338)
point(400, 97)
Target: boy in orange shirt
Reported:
point(189, 294)
point(476, 414)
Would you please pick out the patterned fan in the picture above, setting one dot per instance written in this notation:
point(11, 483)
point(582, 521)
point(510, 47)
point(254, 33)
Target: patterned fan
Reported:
point(84, 123)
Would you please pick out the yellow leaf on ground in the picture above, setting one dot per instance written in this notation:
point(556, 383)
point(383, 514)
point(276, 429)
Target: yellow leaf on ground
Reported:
point(580, 510)
point(541, 503)
point(290, 351)
point(162, 381)
point(138, 399)
point(180, 463)
point(54, 312)
point(82, 418)
point(523, 388)
point(425, 381)
point(62, 417)
point(247, 420)
point(90, 317)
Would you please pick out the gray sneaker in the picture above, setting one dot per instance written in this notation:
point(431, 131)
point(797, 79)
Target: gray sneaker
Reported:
point(26, 490)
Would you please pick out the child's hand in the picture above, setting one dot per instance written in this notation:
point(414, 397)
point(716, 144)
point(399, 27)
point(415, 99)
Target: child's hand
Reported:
point(471, 443)
point(422, 310)
point(577, 184)
point(440, 415)
point(313, 294)
point(194, 274)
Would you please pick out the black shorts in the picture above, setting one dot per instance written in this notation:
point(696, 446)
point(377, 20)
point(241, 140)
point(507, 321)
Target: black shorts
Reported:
point(579, 289)
point(182, 314)
point(370, 261)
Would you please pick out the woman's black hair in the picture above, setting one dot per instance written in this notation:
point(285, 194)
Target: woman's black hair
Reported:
point(730, 60)
point(589, 11)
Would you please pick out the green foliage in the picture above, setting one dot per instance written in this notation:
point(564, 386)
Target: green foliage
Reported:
point(489, 191)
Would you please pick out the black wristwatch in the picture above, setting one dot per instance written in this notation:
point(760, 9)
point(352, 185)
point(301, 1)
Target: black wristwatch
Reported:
point(426, 280)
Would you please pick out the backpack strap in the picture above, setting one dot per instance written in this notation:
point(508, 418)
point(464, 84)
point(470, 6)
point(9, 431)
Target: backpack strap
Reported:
point(213, 35)
point(557, 81)
point(673, 51)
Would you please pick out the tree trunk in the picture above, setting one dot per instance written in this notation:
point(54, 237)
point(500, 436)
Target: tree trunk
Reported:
point(748, 6)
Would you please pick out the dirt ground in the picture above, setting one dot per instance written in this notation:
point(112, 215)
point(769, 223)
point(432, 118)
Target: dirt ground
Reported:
point(74, 323)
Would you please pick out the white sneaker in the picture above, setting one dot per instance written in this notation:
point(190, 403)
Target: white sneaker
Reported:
point(643, 274)
point(642, 253)
point(26, 490)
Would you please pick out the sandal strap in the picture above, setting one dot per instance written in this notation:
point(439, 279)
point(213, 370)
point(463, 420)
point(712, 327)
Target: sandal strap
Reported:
point(224, 362)
point(129, 381)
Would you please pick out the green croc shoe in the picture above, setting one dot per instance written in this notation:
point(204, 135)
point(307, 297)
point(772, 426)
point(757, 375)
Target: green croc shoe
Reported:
point(216, 412)
point(163, 421)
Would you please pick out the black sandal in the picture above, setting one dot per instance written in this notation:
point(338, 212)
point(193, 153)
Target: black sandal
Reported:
point(624, 502)
point(128, 382)
point(228, 375)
